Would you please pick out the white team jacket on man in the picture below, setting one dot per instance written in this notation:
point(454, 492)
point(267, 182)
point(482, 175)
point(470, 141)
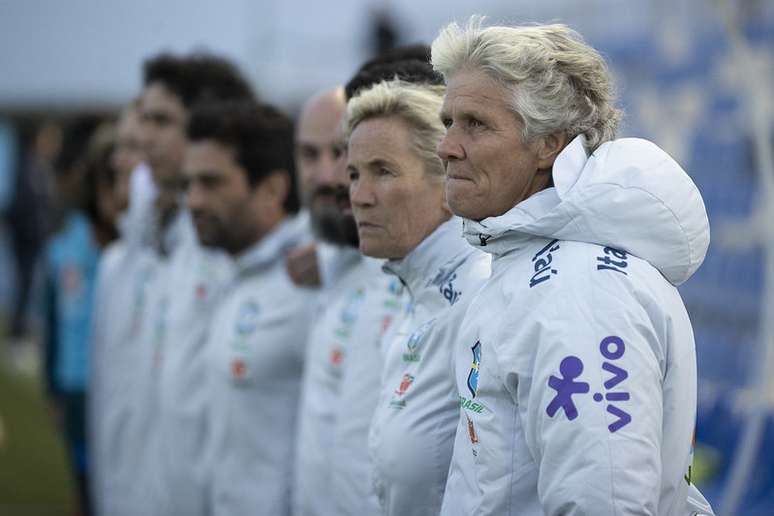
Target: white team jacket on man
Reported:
point(193, 283)
point(353, 309)
point(412, 432)
point(163, 297)
point(339, 305)
point(119, 304)
point(122, 288)
point(256, 352)
point(576, 367)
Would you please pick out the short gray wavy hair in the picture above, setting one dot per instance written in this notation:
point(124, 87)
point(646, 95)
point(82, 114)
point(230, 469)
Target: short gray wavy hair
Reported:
point(558, 82)
point(419, 105)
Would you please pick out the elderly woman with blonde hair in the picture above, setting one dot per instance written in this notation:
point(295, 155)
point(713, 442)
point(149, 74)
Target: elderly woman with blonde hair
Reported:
point(398, 200)
point(584, 372)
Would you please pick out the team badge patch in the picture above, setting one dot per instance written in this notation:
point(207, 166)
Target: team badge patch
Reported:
point(472, 433)
point(413, 344)
point(473, 375)
point(247, 318)
point(238, 369)
point(405, 383)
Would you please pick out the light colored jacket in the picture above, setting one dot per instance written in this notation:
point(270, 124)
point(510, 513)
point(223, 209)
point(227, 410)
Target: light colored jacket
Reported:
point(576, 367)
point(413, 427)
point(119, 371)
point(255, 358)
point(193, 284)
point(340, 388)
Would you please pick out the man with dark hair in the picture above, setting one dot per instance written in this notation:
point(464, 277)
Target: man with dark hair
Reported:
point(159, 288)
point(410, 63)
point(239, 166)
point(172, 86)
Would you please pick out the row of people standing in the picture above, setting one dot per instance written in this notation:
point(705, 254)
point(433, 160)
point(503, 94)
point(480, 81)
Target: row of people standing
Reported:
point(435, 332)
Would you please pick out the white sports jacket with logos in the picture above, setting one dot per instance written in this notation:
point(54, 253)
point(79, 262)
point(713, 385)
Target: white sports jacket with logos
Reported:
point(191, 286)
point(124, 269)
point(576, 367)
point(351, 470)
point(119, 304)
point(334, 415)
point(179, 297)
point(122, 398)
point(255, 358)
point(412, 432)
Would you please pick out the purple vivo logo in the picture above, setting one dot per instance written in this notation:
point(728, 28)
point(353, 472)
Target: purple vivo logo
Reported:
point(570, 368)
point(612, 349)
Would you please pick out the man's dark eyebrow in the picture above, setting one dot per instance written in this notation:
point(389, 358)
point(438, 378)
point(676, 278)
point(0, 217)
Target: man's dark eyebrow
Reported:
point(205, 174)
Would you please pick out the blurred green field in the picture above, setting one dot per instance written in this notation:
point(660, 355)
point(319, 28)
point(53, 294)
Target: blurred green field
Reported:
point(34, 479)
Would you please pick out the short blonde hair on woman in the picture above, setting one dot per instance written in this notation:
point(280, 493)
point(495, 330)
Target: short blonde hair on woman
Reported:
point(419, 105)
point(557, 81)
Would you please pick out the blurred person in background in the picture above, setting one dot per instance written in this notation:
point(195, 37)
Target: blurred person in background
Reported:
point(356, 304)
point(29, 215)
point(576, 368)
point(167, 283)
point(242, 197)
point(397, 195)
point(84, 179)
point(116, 307)
point(344, 356)
point(128, 152)
point(318, 153)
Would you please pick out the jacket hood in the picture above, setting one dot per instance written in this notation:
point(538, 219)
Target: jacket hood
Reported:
point(629, 194)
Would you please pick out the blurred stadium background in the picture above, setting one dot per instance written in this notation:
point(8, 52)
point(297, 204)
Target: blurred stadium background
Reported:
point(695, 76)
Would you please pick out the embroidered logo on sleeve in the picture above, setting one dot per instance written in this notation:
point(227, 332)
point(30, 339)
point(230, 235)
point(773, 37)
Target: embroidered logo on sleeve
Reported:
point(570, 369)
point(611, 348)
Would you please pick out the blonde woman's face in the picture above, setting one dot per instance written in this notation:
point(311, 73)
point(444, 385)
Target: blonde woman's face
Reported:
point(395, 202)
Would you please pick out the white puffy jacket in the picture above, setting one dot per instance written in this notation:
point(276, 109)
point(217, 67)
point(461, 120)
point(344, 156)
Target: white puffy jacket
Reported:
point(412, 432)
point(340, 386)
point(255, 359)
point(576, 367)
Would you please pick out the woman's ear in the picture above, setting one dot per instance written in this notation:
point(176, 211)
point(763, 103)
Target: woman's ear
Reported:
point(548, 147)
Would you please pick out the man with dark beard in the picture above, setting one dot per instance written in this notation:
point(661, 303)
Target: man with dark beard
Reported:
point(344, 356)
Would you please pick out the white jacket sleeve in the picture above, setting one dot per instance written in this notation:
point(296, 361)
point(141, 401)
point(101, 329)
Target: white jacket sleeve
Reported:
point(589, 396)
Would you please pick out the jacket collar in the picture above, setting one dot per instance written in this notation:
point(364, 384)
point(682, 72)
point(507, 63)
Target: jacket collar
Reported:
point(418, 269)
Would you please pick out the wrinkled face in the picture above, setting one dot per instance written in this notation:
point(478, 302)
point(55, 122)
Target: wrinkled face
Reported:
point(222, 203)
point(395, 203)
point(164, 138)
point(321, 166)
point(127, 155)
point(489, 167)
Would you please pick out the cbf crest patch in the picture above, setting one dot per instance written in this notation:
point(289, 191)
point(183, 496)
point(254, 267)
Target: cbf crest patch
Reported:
point(247, 318)
point(473, 375)
point(412, 353)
